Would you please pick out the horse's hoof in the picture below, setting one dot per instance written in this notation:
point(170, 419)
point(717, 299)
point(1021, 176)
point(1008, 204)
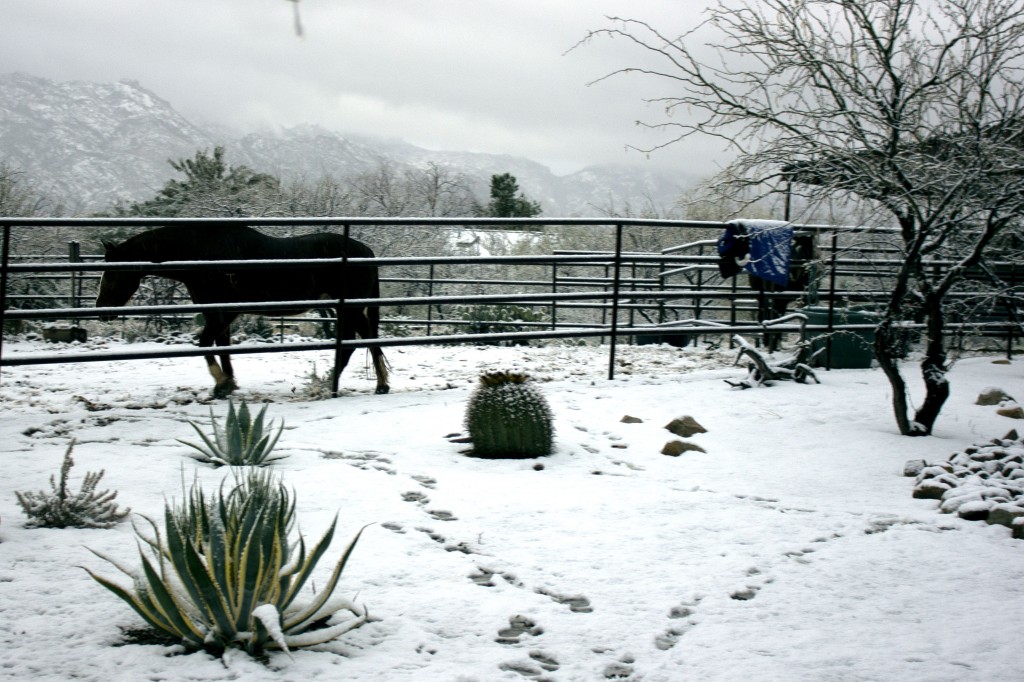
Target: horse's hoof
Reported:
point(224, 390)
point(381, 390)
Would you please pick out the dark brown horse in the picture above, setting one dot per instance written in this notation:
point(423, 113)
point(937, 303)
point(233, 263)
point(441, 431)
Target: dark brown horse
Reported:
point(286, 283)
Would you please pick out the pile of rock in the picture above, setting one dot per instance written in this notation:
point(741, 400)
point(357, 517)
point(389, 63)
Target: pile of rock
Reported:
point(686, 427)
point(982, 483)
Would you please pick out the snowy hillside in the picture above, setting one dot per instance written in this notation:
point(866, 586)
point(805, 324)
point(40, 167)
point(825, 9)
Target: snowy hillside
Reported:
point(94, 143)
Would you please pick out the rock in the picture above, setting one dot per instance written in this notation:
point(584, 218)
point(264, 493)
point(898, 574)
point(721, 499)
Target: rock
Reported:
point(987, 455)
point(674, 448)
point(1012, 411)
point(991, 396)
point(935, 470)
point(976, 510)
point(914, 466)
point(685, 426)
point(981, 483)
point(930, 489)
point(631, 420)
point(1005, 514)
point(64, 334)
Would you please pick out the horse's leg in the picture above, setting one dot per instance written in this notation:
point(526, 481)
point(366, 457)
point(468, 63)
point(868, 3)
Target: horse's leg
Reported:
point(380, 368)
point(357, 323)
point(217, 331)
point(226, 383)
point(348, 323)
point(371, 318)
point(368, 330)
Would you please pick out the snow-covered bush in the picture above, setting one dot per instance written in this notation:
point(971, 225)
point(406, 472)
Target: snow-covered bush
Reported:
point(241, 441)
point(60, 508)
point(508, 417)
point(224, 574)
point(497, 319)
point(318, 385)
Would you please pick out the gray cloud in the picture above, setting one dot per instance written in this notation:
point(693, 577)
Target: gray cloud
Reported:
point(485, 75)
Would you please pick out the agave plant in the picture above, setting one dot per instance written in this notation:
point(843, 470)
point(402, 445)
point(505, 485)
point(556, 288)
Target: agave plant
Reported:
point(223, 573)
point(242, 441)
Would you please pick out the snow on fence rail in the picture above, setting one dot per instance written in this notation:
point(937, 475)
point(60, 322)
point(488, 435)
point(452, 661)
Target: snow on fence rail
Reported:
point(676, 295)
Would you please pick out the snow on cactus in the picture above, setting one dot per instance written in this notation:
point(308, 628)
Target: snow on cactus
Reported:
point(508, 418)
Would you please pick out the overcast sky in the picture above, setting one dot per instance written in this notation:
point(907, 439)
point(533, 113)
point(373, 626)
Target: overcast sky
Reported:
point(477, 75)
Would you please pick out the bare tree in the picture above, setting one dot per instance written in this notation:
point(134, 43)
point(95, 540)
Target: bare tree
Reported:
point(326, 196)
point(913, 105)
point(380, 191)
point(18, 197)
point(438, 190)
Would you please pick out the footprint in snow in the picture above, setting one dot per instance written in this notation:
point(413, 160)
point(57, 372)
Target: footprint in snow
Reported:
point(535, 668)
point(443, 541)
point(415, 496)
point(577, 603)
point(442, 515)
point(517, 627)
point(484, 577)
point(684, 612)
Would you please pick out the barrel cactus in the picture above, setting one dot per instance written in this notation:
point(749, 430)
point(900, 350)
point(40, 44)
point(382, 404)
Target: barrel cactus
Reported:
point(508, 418)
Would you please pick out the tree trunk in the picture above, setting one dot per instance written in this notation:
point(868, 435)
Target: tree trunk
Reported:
point(933, 367)
point(888, 342)
point(888, 359)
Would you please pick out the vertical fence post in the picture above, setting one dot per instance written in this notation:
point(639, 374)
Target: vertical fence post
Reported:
point(732, 310)
point(632, 310)
point(604, 301)
point(75, 256)
point(554, 290)
point(338, 317)
point(430, 294)
point(831, 301)
point(661, 289)
point(617, 273)
point(698, 303)
point(5, 253)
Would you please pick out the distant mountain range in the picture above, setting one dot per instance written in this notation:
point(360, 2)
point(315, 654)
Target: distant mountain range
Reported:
point(92, 144)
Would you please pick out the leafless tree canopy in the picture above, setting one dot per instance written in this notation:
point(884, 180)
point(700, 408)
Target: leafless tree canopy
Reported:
point(912, 106)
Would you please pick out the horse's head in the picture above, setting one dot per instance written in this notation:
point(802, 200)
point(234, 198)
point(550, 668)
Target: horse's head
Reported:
point(116, 286)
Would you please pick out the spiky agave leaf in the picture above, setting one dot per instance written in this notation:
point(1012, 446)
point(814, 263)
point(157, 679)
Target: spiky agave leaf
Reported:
point(298, 621)
point(223, 563)
point(241, 441)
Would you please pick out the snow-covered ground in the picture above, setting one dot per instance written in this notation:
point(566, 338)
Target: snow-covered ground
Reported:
point(791, 550)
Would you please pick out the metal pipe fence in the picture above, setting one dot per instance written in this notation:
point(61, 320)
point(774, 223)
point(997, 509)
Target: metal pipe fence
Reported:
point(677, 292)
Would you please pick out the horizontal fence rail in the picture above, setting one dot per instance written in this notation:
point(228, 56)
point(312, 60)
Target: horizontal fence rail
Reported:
point(591, 294)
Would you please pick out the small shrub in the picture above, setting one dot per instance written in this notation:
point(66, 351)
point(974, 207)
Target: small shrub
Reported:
point(240, 442)
point(60, 508)
point(318, 386)
point(508, 417)
point(499, 318)
point(223, 574)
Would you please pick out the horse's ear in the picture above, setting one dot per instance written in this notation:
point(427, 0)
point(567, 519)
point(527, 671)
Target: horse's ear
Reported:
point(108, 245)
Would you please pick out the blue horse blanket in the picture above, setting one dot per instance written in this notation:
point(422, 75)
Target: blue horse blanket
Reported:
point(761, 247)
